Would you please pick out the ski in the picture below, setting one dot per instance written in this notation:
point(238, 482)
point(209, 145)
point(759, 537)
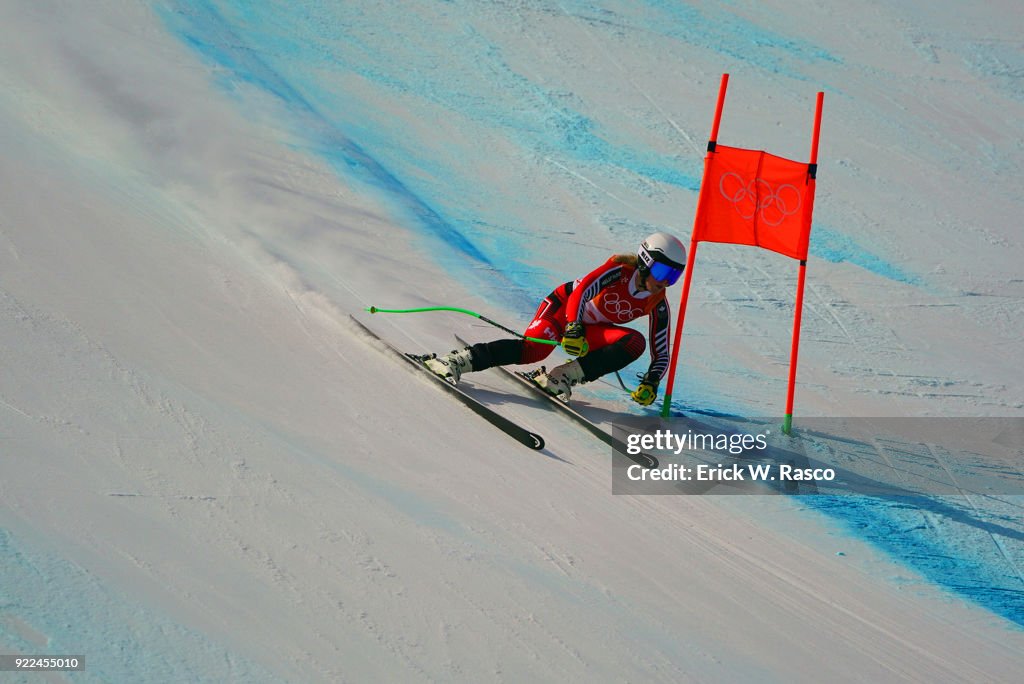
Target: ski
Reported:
point(646, 460)
point(509, 427)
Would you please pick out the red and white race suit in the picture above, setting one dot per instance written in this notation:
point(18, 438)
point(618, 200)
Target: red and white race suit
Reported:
point(602, 301)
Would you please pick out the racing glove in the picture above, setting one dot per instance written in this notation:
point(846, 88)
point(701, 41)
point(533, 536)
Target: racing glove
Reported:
point(646, 393)
point(574, 340)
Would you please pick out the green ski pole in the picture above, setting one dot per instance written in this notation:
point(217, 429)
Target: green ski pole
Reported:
point(474, 314)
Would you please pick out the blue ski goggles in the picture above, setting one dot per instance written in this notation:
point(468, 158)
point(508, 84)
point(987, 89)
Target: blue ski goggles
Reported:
point(665, 272)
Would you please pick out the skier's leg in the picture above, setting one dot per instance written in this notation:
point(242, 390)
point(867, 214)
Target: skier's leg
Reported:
point(612, 348)
point(496, 353)
point(484, 355)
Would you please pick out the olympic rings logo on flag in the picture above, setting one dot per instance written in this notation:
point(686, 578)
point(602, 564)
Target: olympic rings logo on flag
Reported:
point(775, 205)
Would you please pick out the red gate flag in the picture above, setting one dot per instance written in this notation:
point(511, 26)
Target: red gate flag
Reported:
point(750, 197)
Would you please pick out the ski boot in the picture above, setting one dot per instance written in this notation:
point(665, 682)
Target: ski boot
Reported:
point(560, 380)
point(451, 366)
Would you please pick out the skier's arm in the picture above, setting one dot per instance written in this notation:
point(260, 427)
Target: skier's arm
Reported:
point(587, 288)
point(660, 323)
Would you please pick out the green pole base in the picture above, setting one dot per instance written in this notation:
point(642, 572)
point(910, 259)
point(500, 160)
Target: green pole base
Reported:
point(787, 424)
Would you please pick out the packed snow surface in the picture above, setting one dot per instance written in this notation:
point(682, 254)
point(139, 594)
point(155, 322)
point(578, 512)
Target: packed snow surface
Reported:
point(209, 473)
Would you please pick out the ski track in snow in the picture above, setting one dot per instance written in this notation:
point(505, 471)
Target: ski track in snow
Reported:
point(520, 143)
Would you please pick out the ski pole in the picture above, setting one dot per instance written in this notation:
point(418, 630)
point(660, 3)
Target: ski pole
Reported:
point(621, 383)
point(474, 314)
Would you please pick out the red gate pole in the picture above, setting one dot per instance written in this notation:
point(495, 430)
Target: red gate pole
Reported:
point(712, 141)
point(787, 425)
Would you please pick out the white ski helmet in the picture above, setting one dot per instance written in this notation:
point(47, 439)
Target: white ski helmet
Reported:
point(662, 257)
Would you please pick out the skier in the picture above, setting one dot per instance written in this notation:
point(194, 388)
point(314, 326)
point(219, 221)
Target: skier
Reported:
point(586, 317)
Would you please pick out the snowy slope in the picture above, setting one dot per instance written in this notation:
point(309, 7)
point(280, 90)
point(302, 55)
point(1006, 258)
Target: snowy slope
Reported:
point(208, 474)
